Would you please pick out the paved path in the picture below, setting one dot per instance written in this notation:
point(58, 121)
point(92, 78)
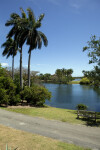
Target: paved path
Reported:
point(76, 134)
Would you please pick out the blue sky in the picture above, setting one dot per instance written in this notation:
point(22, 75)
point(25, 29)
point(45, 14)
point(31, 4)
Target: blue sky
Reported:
point(68, 25)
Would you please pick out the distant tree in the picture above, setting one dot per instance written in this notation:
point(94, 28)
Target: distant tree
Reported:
point(47, 76)
point(59, 74)
point(64, 75)
point(64, 71)
point(69, 72)
point(41, 76)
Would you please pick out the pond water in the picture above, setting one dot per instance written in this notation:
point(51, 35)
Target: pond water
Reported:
point(68, 96)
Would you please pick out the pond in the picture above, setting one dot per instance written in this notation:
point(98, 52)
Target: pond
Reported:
point(68, 96)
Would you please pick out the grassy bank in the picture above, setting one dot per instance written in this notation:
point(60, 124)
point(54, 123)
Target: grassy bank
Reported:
point(74, 82)
point(47, 112)
point(27, 141)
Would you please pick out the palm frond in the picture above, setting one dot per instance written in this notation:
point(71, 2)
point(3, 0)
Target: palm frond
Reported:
point(23, 13)
point(14, 16)
point(39, 41)
point(31, 15)
point(44, 38)
point(41, 17)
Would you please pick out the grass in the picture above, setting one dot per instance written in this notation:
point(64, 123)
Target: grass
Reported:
point(48, 112)
point(74, 82)
point(64, 115)
point(27, 141)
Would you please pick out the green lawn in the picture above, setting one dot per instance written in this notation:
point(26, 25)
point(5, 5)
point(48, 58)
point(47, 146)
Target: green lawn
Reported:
point(47, 112)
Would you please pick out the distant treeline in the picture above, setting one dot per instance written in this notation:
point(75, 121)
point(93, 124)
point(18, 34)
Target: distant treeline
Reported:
point(61, 76)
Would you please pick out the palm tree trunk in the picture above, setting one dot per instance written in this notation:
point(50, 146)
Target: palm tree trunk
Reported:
point(13, 67)
point(29, 58)
point(21, 75)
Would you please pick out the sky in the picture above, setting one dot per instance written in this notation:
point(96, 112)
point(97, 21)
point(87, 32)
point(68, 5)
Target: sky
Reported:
point(67, 24)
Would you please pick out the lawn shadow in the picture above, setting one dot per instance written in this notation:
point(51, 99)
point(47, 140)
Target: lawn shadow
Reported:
point(90, 122)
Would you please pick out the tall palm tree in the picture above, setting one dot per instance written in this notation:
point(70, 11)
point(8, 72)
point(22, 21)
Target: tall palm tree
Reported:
point(25, 29)
point(34, 37)
point(10, 49)
point(18, 25)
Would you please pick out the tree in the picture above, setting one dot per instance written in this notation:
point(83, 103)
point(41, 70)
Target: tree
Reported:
point(93, 49)
point(59, 74)
point(69, 72)
point(10, 49)
point(93, 76)
point(47, 76)
point(25, 29)
point(18, 32)
point(34, 37)
point(64, 75)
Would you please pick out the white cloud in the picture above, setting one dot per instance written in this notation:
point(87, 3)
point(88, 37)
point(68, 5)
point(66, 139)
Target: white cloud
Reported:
point(43, 65)
point(54, 2)
point(77, 4)
point(4, 64)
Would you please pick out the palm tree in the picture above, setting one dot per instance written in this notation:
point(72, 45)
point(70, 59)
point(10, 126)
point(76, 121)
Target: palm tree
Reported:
point(10, 49)
point(25, 29)
point(34, 37)
point(59, 75)
point(18, 32)
point(69, 72)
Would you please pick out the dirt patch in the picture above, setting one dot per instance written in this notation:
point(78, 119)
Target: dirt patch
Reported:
point(20, 106)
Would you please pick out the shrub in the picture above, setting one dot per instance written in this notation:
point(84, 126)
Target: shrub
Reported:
point(7, 89)
point(4, 98)
point(35, 95)
point(17, 83)
point(81, 107)
point(85, 81)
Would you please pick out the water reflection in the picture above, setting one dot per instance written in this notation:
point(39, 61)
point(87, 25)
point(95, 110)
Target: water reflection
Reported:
point(68, 96)
point(63, 94)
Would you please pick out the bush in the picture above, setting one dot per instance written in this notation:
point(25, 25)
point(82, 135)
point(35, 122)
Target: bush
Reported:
point(85, 81)
point(35, 95)
point(7, 89)
point(17, 83)
point(4, 98)
point(81, 107)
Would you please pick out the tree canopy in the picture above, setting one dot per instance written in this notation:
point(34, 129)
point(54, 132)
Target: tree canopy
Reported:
point(93, 49)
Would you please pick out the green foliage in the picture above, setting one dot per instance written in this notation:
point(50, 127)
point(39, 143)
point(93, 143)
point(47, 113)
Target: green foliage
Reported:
point(4, 98)
point(35, 95)
point(85, 81)
point(81, 107)
point(93, 76)
point(93, 49)
point(17, 82)
point(9, 148)
point(64, 75)
point(7, 89)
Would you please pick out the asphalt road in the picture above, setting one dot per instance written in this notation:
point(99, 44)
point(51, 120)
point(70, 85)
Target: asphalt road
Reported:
point(76, 134)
